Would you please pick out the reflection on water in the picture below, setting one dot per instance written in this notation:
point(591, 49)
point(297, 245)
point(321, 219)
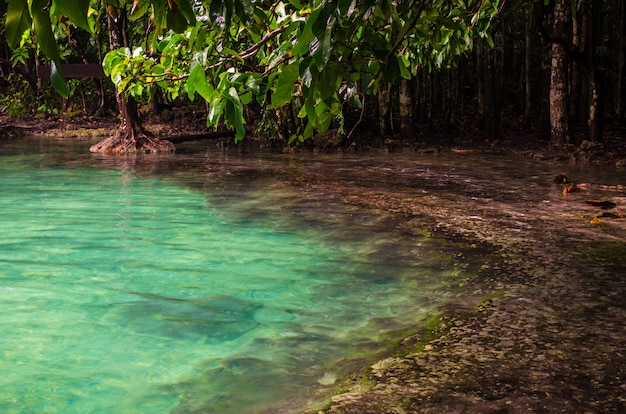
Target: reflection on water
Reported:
point(125, 290)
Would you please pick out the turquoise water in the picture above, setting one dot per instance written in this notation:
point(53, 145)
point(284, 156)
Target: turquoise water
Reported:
point(126, 293)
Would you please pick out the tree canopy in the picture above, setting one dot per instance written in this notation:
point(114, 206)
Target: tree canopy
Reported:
point(316, 55)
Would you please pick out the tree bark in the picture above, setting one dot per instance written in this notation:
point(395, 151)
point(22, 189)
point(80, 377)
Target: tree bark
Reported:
point(595, 118)
point(528, 68)
point(407, 128)
point(132, 138)
point(560, 129)
point(490, 112)
point(384, 103)
point(617, 61)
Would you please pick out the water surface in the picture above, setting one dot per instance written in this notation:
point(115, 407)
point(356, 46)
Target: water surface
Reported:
point(126, 287)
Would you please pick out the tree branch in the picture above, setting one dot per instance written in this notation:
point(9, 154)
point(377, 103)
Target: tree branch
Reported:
point(254, 49)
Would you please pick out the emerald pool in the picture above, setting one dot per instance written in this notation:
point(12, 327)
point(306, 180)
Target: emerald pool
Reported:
point(127, 291)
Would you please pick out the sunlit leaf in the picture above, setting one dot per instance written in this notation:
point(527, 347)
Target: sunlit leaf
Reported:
point(139, 9)
point(216, 107)
point(76, 10)
point(17, 21)
point(202, 86)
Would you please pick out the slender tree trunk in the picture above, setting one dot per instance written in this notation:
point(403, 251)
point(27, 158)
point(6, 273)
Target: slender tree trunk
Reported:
point(132, 138)
point(528, 68)
point(595, 118)
point(407, 129)
point(617, 62)
point(560, 130)
point(480, 83)
point(490, 112)
point(384, 102)
point(577, 87)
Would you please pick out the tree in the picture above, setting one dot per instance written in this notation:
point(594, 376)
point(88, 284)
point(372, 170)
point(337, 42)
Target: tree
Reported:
point(132, 136)
point(560, 128)
point(316, 56)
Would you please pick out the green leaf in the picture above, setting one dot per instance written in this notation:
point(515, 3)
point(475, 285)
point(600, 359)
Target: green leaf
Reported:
point(308, 131)
point(187, 10)
point(58, 82)
point(76, 11)
point(328, 82)
point(489, 40)
point(392, 71)
point(216, 107)
point(191, 82)
point(244, 10)
point(309, 110)
point(47, 43)
point(43, 30)
point(252, 84)
point(176, 21)
point(233, 96)
point(306, 35)
point(246, 98)
point(17, 22)
point(404, 64)
point(111, 59)
point(159, 14)
point(140, 8)
point(233, 114)
point(322, 54)
point(202, 86)
point(284, 85)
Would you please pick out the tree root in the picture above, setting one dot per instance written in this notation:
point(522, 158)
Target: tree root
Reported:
point(129, 142)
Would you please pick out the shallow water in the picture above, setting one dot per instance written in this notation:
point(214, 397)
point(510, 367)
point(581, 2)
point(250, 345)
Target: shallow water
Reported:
point(124, 289)
point(216, 280)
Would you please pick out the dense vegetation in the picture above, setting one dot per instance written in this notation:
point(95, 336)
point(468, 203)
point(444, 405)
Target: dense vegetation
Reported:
point(408, 69)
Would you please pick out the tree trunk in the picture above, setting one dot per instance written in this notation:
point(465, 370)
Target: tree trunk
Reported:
point(617, 61)
point(528, 68)
point(384, 103)
point(595, 118)
point(560, 130)
point(132, 138)
point(407, 128)
point(490, 112)
point(480, 82)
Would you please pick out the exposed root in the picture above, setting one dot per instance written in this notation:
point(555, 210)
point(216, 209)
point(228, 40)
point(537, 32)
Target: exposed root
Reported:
point(129, 142)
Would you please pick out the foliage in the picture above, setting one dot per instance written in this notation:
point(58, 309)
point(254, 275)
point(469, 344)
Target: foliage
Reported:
point(16, 102)
point(318, 55)
point(36, 14)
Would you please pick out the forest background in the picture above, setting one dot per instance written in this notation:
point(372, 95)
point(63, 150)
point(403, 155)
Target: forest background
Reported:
point(357, 73)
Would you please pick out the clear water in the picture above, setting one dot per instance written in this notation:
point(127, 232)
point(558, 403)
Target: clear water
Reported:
point(125, 292)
